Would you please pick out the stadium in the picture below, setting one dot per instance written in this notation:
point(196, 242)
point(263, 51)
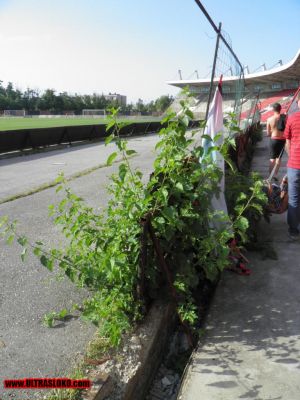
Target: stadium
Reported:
point(245, 93)
point(261, 88)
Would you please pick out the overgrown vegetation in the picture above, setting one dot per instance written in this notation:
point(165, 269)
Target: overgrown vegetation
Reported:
point(154, 237)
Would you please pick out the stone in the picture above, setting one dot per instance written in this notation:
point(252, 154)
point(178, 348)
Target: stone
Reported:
point(171, 378)
point(166, 382)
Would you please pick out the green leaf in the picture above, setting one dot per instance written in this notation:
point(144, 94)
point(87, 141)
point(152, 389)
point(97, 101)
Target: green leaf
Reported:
point(122, 171)
point(160, 220)
point(130, 152)
point(207, 137)
point(111, 158)
point(232, 142)
point(110, 125)
point(22, 240)
point(211, 149)
point(179, 186)
point(49, 319)
point(109, 139)
point(69, 272)
point(51, 209)
point(230, 163)
point(60, 178)
point(185, 120)
point(217, 137)
point(62, 314)
point(242, 223)
point(124, 123)
point(10, 238)
point(168, 117)
point(3, 220)
point(37, 251)
point(159, 144)
point(58, 189)
point(190, 114)
point(169, 213)
point(242, 197)
point(46, 262)
point(165, 194)
point(257, 207)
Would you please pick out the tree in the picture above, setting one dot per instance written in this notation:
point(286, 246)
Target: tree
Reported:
point(163, 102)
point(30, 99)
point(140, 106)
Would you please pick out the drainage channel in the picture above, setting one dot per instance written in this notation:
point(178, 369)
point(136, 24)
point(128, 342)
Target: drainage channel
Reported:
point(167, 381)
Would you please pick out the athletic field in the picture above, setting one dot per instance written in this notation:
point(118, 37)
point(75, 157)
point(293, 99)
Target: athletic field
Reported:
point(14, 123)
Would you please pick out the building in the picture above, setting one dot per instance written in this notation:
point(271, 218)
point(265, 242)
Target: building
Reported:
point(118, 98)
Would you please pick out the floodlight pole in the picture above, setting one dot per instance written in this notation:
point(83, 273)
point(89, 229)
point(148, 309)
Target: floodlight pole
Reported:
point(213, 70)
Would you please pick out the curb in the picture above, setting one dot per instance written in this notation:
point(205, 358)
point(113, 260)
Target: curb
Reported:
point(152, 335)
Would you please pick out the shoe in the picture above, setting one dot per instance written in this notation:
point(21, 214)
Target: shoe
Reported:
point(294, 236)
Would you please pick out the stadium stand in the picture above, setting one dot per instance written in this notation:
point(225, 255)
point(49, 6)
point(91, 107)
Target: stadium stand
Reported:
point(269, 86)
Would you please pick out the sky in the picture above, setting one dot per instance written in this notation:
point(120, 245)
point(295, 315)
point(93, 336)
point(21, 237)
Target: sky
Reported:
point(134, 47)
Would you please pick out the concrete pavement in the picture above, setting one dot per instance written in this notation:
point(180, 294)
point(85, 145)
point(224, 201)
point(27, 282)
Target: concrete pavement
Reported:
point(28, 172)
point(251, 345)
point(28, 290)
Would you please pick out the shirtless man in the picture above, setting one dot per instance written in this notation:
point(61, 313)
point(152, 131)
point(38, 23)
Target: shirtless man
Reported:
point(277, 141)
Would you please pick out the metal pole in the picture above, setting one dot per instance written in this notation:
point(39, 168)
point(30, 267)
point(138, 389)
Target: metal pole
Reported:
point(213, 71)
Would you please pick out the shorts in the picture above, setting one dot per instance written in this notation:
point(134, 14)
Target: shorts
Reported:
point(276, 146)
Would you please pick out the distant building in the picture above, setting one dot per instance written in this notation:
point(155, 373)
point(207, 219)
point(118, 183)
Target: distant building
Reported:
point(118, 98)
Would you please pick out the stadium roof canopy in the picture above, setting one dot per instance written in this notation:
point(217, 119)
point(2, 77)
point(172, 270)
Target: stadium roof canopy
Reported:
point(288, 71)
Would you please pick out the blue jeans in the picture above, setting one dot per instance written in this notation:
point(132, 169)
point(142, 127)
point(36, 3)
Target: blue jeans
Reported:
point(293, 215)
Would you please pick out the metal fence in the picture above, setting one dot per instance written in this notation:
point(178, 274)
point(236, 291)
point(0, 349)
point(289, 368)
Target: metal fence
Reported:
point(225, 63)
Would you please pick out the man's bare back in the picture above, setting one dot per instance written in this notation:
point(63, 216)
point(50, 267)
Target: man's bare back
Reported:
point(277, 140)
point(272, 130)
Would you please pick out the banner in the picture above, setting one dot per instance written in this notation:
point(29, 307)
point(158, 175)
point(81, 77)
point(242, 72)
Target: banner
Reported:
point(293, 106)
point(214, 127)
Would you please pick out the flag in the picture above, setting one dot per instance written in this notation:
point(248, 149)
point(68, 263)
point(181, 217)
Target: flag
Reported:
point(214, 127)
point(293, 106)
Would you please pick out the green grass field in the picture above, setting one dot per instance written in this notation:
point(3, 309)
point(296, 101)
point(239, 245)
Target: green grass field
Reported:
point(14, 123)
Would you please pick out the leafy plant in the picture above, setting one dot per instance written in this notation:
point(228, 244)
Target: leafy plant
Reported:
point(246, 203)
point(153, 235)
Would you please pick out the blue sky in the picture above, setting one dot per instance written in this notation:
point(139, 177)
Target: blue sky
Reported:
point(133, 47)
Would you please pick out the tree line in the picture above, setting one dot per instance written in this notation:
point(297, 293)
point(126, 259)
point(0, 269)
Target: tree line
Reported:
point(35, 102)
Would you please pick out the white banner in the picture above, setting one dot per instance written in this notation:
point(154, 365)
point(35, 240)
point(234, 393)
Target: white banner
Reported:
point(213, 128)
